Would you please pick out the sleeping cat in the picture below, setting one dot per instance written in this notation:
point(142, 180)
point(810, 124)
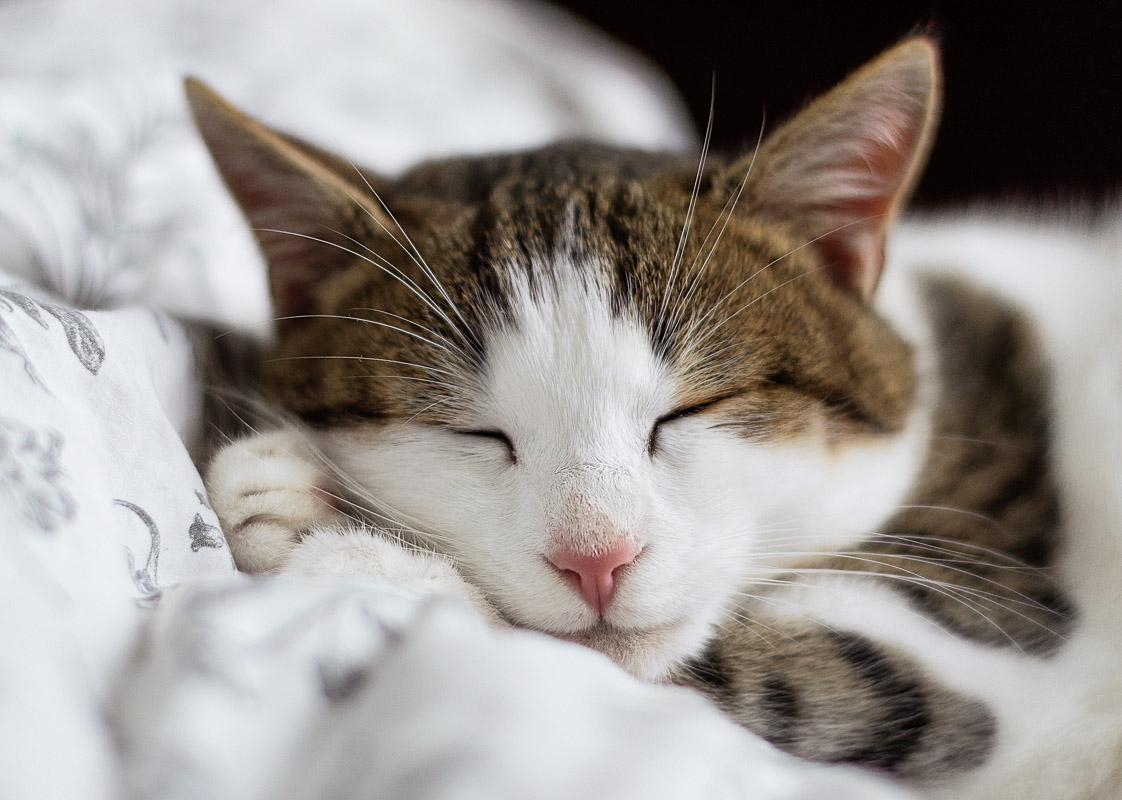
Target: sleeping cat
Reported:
point(648, 405)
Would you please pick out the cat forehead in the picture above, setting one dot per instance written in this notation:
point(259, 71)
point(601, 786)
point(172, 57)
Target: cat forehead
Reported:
point(555, 213)
point(542, 289)
point(561, 212)
point(568, 353)
point(576, 165)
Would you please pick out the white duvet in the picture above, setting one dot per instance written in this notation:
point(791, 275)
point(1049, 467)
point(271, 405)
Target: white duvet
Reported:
point(134, 661)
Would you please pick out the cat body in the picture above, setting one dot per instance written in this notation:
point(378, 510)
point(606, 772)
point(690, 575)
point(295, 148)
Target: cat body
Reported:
point(662, 410)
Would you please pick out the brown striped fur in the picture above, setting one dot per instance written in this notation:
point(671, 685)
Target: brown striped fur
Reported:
point(979, 535)
point(764, 319)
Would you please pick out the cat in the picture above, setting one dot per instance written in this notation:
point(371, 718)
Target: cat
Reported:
point(657, 408)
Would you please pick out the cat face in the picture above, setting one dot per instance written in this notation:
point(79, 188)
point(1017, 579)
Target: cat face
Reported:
point(612, 386)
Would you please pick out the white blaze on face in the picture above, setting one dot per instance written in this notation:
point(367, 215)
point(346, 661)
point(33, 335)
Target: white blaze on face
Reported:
point(577, 390)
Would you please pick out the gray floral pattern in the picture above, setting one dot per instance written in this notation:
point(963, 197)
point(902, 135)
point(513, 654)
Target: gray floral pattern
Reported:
point(144, 578)
point(203, 534)
point(81, 334)
point(84, 340)
point(31, 474)
point(11, 343)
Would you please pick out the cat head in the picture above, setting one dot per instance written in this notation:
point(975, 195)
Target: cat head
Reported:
point(613, 386)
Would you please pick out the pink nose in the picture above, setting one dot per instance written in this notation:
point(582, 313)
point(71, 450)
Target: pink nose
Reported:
point(596, 575)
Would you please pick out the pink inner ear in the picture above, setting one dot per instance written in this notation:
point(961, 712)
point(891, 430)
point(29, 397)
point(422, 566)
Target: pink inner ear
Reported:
point(854, 260)
point(858, 210)
point(275, 198)
point(892, 138)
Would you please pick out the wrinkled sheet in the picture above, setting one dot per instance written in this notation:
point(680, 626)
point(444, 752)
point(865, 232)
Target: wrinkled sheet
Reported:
point(136, 662)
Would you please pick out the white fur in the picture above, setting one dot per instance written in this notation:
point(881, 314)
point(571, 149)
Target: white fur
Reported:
point(1059, 719)
point(344, 551)
point(263, 489)
point(274, 499)
point(577, 390)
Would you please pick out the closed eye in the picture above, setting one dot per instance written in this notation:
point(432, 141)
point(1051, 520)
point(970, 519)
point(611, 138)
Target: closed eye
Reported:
point(494, 434)
point(677, 414)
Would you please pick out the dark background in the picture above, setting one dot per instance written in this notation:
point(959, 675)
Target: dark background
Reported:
point(1033, 91)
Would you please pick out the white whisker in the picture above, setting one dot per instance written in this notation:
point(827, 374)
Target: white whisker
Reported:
point(409, 284)
point(735, 200)
point(361, 358)
point(679, 253)
point(419, 260)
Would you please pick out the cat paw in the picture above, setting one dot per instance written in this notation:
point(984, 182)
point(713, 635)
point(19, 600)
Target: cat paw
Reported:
point(348, 551)
point(268, 490)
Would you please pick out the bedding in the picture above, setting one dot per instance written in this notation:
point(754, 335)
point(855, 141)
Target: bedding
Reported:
point(136, 662)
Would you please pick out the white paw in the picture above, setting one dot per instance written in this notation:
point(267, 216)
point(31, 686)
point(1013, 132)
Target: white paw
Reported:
point(349, 551)
point(268, 490)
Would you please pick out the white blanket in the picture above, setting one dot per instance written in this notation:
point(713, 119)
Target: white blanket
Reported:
point(135, 661)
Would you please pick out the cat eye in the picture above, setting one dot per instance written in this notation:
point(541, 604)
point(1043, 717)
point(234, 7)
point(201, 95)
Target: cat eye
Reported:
point(676, 414)
point(494, 434)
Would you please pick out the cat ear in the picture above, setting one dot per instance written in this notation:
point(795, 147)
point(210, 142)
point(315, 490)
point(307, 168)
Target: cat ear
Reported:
point(842, 168)
point(284, 184)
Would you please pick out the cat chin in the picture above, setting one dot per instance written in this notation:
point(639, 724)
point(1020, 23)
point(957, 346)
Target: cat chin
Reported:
point(647, 653)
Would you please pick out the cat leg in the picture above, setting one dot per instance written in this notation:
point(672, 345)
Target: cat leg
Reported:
point(840, 697)
point(346, 551)
point(273, 499)
point(268, 490)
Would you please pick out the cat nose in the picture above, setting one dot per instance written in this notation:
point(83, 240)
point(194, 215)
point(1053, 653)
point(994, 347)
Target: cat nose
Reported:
point(595, 574)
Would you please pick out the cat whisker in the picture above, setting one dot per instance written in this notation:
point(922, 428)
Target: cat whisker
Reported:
point(864, 557)
point(956, 565)
point(958, 543)
point(724, 298)
point(427, 408)
point(361, 358)
point(921, 540)
point(409, 284)
point(776, 600)
point(691, 206)
point(898, 507)
point(769, 292)
point(934, 586)
point(419, 260)
point(949, 590)
point(345, 502)
point(749, 620)
point(402, 276)
point(870, 536)
point(751, 625)
point(387, 514)
point(954, 510)
point(382, 376)
point(974, 440)
point(958, 557)
point(414, 323)
point(735, 200)
point(357, 496)
point(802, 614)
point(688, 672)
